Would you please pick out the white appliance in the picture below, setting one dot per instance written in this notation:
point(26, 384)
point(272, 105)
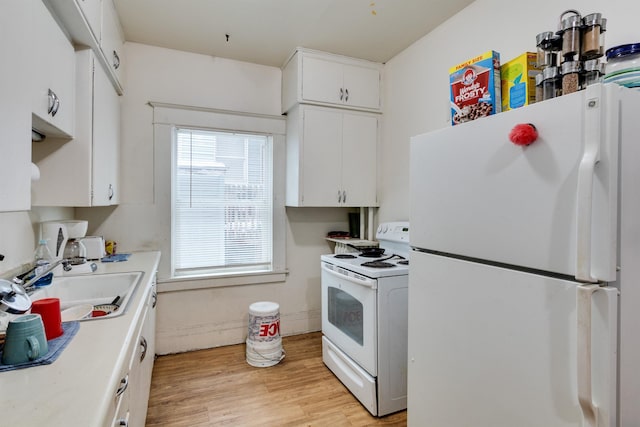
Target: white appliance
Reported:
point(364, 320)
point(524, 296)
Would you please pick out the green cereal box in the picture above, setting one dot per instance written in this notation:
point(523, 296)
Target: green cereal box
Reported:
point(519, 81)
point(475, 88)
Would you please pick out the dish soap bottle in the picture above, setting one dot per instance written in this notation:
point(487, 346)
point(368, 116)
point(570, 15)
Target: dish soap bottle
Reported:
point(43, 260)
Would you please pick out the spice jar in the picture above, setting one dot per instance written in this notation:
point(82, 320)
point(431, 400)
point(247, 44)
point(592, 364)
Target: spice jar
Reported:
point(539, 90)
point(603, 29)
point(551, 84)
point(591, 36)
point(570, 32)
point(548, 44)
point(570, 77)
point(623, 65)
point(592, 72)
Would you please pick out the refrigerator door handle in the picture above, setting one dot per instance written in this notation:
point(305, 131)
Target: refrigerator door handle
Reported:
point(586, 172)
point(585, 395)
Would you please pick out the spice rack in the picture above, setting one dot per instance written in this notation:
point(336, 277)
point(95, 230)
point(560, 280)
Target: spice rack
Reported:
point(571, 55)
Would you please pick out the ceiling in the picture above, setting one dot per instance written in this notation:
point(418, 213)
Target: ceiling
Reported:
point(267, 31)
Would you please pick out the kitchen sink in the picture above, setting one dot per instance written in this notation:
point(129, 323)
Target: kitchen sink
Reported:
point(94, 289)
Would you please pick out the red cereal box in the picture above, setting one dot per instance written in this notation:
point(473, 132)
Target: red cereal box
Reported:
point(475, 88)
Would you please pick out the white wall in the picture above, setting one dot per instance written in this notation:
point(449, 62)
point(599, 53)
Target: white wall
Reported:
point(416, 85)
point(201, 318)
point(19, 234)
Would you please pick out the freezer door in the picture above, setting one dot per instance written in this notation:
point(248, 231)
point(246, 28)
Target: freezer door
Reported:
point(494, 347)
point(550, 206)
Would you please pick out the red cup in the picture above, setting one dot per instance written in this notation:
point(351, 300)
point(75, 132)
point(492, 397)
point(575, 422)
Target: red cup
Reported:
point(49, 310)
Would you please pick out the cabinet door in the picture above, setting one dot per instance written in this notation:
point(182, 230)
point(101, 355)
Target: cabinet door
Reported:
point(53, 62)
point(92, 11)
point(362, 86)
point(322, 80)
point(321, 157)
point(359, 159)
point(144, 361)
point(15, 107)
point(106, 140)
point(112, 40)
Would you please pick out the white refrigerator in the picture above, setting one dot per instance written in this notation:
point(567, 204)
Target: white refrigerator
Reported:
point(524, 301)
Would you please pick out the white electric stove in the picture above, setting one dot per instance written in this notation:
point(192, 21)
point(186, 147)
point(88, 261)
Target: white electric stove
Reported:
point(364, 320)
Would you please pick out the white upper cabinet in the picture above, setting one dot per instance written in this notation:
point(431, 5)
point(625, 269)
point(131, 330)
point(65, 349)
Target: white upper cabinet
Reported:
point(331, 157)
point(83, 171)
point(95, 24)
point(332, 80)
point(15, 106)
point(53, 64)
point(112, 40)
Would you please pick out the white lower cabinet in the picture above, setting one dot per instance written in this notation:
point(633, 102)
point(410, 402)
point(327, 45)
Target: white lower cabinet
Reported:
point(91, 158)
point(53, 64)
point(331, 157)
point(132, 391)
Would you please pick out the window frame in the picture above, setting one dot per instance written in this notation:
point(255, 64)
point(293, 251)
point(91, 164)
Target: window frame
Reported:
point(211, 270)
point(168, 117)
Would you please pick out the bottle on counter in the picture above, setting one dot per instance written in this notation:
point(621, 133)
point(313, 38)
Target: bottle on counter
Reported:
point(43, 259)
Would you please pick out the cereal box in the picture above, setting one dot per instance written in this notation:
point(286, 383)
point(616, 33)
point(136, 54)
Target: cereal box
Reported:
point(475, 88)
point(519, 81)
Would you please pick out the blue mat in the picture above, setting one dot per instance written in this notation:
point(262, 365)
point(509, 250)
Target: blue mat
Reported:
point(116, 258)
point(56, 346)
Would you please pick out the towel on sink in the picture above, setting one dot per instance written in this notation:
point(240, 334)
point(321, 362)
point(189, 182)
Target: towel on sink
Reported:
point(56, 346)
point(116, 258)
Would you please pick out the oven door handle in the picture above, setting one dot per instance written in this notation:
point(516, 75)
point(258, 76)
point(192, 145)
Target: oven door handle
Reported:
point(373, 284)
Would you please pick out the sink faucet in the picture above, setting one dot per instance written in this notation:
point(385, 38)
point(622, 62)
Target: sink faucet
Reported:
point(30, 284)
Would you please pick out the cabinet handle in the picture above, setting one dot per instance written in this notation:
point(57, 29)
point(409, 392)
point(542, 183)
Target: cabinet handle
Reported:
point(124, 383)
point(143, 344)
point(344, 196)
point(52, 101)
point(56, 105)
point(110, 191)
point(123, 423)
point(154, 299)
point(346, 95)
point(116, 60)
point(341, 94)
point(339, 197)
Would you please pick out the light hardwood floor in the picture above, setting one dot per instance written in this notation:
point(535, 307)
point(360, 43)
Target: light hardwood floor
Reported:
point(217, 387)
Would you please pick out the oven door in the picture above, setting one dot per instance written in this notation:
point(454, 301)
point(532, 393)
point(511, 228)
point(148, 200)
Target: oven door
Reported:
point(349, 314)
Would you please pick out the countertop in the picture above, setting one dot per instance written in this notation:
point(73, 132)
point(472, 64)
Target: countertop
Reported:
point(78, 388)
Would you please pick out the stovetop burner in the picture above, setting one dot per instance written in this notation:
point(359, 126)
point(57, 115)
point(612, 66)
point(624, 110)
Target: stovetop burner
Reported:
point(345, 256)
point(377, 264)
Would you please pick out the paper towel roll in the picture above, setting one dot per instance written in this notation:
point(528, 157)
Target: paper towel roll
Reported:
point(35, 172)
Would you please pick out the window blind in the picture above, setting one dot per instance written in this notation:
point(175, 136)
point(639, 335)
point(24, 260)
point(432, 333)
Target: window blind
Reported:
point(222, 202)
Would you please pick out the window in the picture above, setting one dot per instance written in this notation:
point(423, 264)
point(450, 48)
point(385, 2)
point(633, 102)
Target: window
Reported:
point(222, 202)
